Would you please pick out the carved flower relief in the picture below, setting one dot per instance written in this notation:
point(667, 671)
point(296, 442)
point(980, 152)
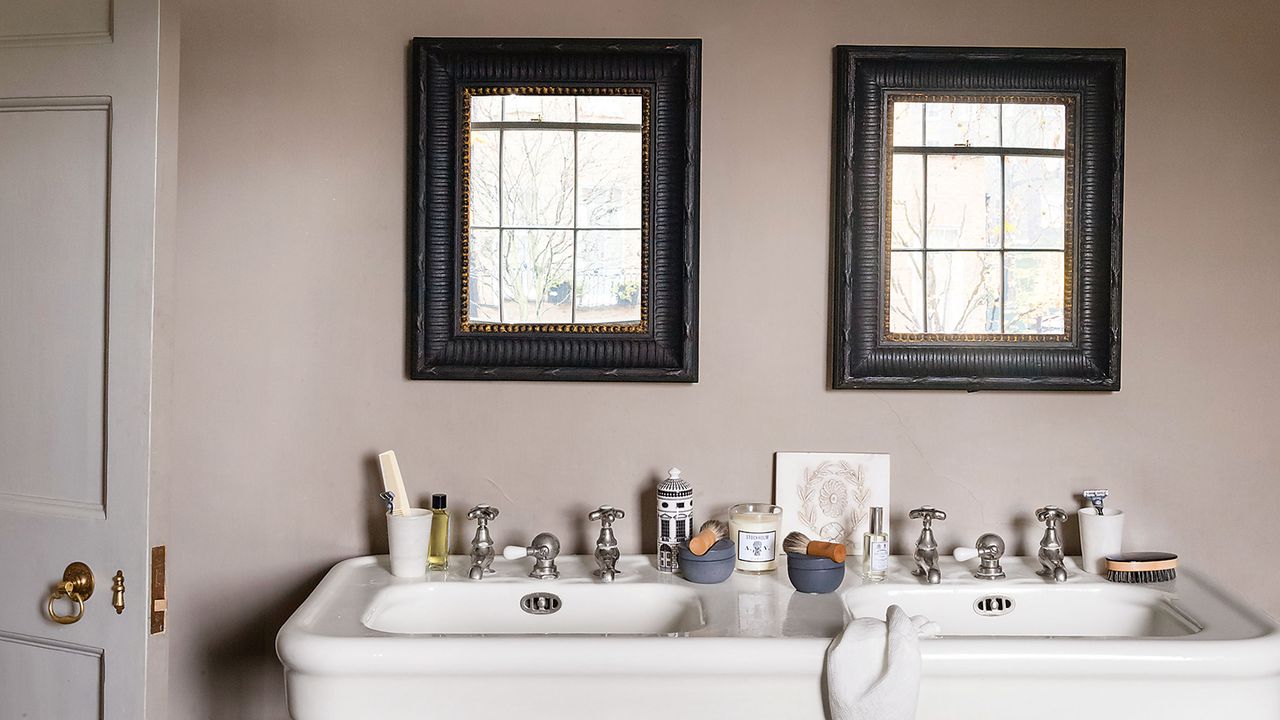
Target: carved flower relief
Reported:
point(834, 499)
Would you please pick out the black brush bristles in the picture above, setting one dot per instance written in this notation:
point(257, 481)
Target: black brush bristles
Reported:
point(1142, 576)
point(1142, 567)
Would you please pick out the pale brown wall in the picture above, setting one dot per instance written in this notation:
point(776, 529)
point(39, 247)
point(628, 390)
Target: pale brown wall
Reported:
point(289, 306)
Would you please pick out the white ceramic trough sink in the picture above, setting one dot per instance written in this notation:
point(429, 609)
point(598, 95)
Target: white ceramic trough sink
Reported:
point(501, 607)
point(1072, 610)
point(368, 645)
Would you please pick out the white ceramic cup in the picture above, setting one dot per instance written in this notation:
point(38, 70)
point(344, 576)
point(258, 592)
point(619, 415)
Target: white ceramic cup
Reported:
point(407, 537)
point(1100, 536)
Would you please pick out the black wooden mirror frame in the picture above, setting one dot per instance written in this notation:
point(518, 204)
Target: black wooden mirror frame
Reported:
point(439, 346)
point(861, 356)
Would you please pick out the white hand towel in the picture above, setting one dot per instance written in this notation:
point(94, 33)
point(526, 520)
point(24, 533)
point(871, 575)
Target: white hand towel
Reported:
point(873, 667)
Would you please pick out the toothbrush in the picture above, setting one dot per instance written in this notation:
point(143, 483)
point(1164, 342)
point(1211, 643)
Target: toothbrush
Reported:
point(392, 481)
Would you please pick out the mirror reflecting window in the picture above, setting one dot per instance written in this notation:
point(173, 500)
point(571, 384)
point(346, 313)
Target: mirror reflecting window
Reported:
point(978, 197)
point(555, 206)
point(978, 240)
point(553, 209)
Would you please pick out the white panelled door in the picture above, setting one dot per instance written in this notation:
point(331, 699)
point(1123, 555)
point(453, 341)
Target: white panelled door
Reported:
point(78, 152)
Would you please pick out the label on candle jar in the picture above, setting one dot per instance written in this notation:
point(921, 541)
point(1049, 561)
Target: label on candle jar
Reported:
point(756, 546)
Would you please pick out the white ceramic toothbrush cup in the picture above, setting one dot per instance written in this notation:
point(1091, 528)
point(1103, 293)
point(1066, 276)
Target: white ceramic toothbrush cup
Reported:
point(407, 537)
point(1100, 536)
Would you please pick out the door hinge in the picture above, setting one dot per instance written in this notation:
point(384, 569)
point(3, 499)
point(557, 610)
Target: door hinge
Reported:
point(159, 602)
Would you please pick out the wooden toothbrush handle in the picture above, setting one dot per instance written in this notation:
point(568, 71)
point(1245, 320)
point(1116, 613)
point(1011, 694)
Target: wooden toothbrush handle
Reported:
point(699, 544)
point(831, 551)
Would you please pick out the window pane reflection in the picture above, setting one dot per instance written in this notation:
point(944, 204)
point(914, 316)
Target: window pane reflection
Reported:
point(556, 213)
point(977, 225)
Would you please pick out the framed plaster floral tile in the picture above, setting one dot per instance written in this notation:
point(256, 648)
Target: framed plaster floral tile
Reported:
point(829, 496)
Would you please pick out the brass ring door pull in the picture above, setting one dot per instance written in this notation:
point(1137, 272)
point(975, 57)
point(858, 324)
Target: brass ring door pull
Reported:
point(65, 619)
point(77, 584)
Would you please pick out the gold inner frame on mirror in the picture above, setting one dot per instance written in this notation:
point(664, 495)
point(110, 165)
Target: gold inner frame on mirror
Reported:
point(599, 271)
point(1005, 256)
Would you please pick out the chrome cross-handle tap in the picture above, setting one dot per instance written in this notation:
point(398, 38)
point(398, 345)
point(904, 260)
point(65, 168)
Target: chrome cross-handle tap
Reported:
point(544, 549)
point(1051, 560)
point(926, 546)
point(482, 544)
point(607, 544)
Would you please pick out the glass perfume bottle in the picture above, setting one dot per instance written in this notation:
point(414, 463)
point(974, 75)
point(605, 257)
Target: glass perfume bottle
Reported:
point(438, 547)
point(875, 548)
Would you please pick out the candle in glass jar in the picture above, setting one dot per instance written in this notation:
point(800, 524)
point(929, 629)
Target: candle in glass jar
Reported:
point(753, 527)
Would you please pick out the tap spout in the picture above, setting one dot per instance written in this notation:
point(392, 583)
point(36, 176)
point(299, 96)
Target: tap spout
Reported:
point(607, 553)
point(482, 547)
point(1051, 558)
point(926, 554)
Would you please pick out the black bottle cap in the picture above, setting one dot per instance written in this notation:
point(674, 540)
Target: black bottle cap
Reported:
point(438, 501)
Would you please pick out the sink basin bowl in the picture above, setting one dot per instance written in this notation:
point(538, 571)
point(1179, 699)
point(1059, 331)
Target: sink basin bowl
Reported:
point(366, 644)
point(1092, 610)
point(494, 607)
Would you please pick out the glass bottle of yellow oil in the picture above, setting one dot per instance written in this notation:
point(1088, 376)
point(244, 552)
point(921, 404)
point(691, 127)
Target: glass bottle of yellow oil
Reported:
point(438, 547)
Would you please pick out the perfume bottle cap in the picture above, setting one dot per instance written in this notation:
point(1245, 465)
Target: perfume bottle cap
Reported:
point(438, 501)
point(877, 520)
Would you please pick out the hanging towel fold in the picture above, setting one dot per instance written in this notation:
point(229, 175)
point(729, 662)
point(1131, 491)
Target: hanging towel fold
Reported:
point(873, 667)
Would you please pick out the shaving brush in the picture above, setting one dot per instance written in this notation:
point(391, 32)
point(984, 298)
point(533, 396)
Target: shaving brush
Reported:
point(800, 544)
point(711, 532)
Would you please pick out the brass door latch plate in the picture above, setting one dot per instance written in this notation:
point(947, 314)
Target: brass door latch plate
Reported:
point(159, 603)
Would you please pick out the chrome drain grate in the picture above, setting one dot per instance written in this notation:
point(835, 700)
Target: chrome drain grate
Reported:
point(540, 603)
point(993, 605)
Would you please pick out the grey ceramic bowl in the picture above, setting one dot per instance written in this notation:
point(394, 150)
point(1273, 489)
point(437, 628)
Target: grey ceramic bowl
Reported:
point(716, 566)
point(814, 574)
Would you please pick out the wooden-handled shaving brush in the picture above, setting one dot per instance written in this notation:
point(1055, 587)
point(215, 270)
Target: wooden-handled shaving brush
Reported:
point(711, 532)
point(800, 544)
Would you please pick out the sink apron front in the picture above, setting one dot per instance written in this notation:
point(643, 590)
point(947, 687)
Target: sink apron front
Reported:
point(758, 651)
